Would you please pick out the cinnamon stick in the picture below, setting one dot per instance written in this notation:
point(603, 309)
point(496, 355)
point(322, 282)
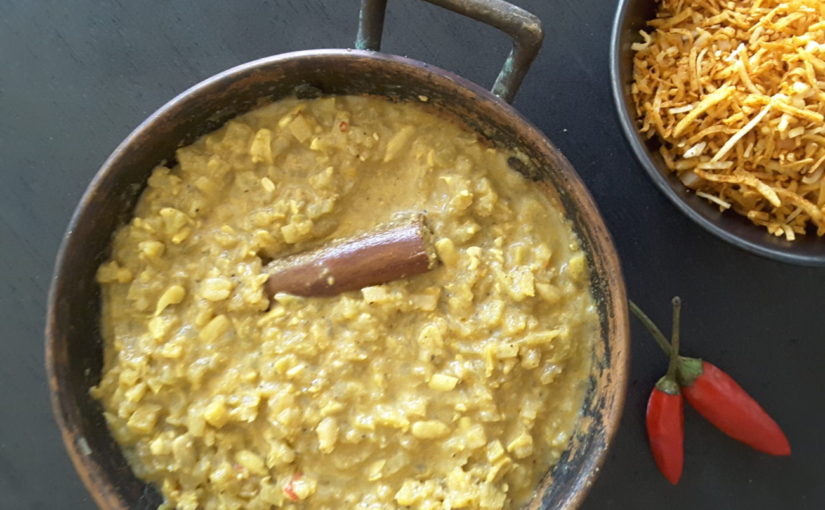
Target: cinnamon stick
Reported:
point(394, 251)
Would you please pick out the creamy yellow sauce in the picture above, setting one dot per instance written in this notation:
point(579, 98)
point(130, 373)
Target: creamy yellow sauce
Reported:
point(456, 388)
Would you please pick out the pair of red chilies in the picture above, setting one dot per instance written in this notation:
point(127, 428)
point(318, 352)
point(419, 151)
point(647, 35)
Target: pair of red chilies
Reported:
point(714, 395)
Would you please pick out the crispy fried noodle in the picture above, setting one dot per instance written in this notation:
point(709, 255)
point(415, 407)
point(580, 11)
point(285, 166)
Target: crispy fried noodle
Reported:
point(735, 91)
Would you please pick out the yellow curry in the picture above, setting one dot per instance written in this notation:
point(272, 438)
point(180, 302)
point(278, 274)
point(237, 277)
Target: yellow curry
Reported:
point(456, 388)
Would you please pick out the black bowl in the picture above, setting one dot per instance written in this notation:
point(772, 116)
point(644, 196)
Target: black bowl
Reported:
point(631, 16)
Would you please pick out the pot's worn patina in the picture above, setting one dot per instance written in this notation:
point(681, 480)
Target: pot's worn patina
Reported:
point(73, 340)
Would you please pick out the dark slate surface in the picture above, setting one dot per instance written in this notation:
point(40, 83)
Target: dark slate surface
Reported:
point(76, 77)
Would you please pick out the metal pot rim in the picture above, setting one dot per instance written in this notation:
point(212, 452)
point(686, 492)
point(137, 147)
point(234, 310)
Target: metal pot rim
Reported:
point(91, 472)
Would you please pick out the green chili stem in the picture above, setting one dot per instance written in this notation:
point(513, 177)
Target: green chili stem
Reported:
point(651, 327)
point(674, 337)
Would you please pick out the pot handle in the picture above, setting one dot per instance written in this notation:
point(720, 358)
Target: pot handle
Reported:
point(522, 26)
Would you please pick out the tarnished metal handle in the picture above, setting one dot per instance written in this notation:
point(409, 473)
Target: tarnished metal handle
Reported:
point(523, 27)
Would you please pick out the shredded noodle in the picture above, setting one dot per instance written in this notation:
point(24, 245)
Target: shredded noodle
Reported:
point(735, 91)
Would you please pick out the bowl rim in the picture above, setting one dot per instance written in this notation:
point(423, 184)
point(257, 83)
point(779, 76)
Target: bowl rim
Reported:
point(89, 470)
point(637, 145)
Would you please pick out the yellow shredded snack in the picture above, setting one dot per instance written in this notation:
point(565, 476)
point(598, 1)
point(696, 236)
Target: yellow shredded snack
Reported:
point(735, 91)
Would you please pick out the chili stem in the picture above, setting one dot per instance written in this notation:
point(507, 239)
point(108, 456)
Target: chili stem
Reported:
point(673, 365)
point(651, 327)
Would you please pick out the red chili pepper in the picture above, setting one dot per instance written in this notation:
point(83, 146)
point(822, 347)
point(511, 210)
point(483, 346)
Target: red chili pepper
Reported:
point(665, 431)
point(665, 415)
point(720, 400)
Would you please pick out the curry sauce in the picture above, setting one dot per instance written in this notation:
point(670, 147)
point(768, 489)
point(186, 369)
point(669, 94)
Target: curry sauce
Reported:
point(456, 388)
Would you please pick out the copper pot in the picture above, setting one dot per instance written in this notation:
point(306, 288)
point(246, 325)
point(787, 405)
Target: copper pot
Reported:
point(73, 341)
